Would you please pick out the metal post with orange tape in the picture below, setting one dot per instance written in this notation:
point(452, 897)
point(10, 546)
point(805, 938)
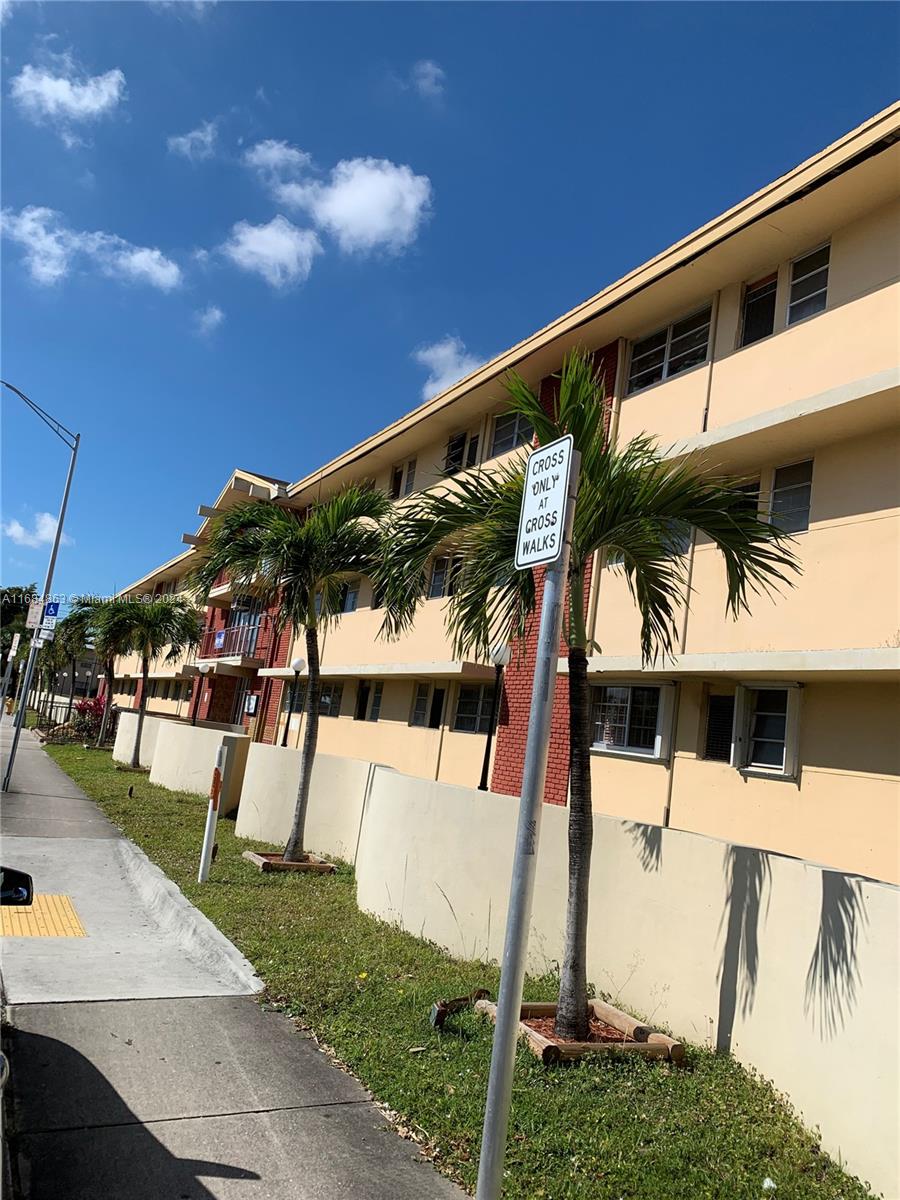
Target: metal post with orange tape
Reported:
point(212, 816)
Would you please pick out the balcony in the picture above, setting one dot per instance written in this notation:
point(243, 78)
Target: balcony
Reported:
point(238, 641)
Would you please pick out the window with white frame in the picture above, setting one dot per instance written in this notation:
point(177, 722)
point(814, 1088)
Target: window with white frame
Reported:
point(375, 703)
point(330, 699)
point(349, 595)
point(444, 573)
point(293, 698)
point(462, 452)
point(403, 479)
point(473, 708)
point(809, 285)
point(669, 351)
point(421, 695)
point(766, 729)
point(791, 497)
point(632, 719)
point(510, 430)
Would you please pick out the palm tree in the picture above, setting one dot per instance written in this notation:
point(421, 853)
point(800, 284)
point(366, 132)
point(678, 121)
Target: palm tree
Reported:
point(634, 506)
point(297, 566)
point(73, 636)
point(108, 639)
point(166, 627)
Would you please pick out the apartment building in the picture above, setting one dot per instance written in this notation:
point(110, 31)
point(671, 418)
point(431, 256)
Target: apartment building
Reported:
point(766, 344)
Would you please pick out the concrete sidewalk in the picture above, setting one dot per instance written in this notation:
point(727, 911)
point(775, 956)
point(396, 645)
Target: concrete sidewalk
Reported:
point(141, 1065)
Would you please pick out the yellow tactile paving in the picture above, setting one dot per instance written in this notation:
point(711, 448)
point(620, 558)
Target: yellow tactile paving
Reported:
point(48, 916)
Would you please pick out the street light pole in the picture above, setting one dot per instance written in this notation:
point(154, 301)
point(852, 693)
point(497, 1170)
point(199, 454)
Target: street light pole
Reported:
point(296, 666)
point(500, 656)
point(64, 435)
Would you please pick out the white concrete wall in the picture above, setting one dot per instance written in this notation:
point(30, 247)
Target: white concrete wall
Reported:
point(185, 756)
point(269, 797)
point(123, 747)
point(792, 966)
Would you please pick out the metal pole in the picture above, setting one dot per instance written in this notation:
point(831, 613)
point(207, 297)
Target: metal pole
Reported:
point(32, 653)
point(512, 975)
point(287, 719)
point(495, 704)
point(212, 816)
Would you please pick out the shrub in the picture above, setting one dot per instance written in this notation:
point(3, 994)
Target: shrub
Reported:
point(87, 718)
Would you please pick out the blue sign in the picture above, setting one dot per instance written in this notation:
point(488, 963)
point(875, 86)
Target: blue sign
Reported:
point(51, 609)
point(219, 639)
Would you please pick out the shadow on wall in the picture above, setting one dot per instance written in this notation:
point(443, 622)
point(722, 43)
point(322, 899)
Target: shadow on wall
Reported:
point(117, 1157)
point(747, 876)
point(833, 976)
point(648, 843)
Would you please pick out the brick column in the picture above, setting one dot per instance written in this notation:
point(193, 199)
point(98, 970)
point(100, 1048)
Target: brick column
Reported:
point(515, 703)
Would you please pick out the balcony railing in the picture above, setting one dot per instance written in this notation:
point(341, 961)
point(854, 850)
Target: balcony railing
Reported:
point(239, 641)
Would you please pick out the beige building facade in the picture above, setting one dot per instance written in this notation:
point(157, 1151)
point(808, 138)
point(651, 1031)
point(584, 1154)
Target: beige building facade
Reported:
point(766, 344)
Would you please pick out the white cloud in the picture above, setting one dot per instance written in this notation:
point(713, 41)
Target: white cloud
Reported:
point(274, 158)
point(42, 532)
point(192, 8)
point(51, 247)
point(447, 361)
point(428, 78)
point(208, 319)
point(197, 144)
point(368, 203)
point(62, 93)
point(280, 252)
point(5, 10)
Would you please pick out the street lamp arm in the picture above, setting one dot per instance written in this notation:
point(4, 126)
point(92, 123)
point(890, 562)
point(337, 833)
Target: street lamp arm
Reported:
point(57, 426)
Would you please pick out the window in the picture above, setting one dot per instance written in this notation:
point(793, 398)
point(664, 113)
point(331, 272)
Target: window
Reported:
point(766, 730)
point(330, 700)
point(375, 706)
point(759, 310)
point(377, 596)
point(791, 495)
point(444, 573)
point(420, 705)
point(403, 479)
point(809, 285)
point(473, 708)
point(462, 451)
point(293, 698)
point(719, 728)
point(632, 719)
point(349, 595)
point(670, 351)
point(679, 537)
point(363, 689)
point(750, 491)
point(510, 430)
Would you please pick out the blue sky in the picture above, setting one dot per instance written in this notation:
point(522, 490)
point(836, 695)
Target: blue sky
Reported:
point(250, 235)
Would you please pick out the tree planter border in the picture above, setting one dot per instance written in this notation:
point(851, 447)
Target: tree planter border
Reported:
point(275, 862)
point(637, 1038)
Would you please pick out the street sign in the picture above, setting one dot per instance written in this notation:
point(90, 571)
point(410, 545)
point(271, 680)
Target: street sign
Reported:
point(219, 640)
point(544, 499)
point(545, 534)
point(47, 631)
point(34, 615)
point(51, 609)
point(14, 645)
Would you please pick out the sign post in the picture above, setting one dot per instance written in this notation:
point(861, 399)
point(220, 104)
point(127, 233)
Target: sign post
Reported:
point(545, 534)
point(14, 645)
point(212, 817)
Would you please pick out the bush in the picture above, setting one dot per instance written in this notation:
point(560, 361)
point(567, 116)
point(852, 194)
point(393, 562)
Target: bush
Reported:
point(88, 717)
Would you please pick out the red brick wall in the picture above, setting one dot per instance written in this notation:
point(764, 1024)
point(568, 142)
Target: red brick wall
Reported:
point(515, 703)
point(272, 690)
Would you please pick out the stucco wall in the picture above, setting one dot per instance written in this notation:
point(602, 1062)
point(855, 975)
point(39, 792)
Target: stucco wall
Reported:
point(792, 966)
point(269, 796)
point(185, 757)
point(123, 746)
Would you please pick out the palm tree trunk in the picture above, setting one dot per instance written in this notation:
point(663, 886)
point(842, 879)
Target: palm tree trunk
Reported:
point(142, 708)
point(109, 670)
point(572, 1012)
point(293, 852)
point(71, 690)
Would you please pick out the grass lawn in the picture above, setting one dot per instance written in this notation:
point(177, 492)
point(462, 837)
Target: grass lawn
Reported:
point(605, 1129)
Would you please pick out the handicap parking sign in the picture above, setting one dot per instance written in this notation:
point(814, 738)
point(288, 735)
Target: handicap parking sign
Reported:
point(219, 639)
point(51, 609)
